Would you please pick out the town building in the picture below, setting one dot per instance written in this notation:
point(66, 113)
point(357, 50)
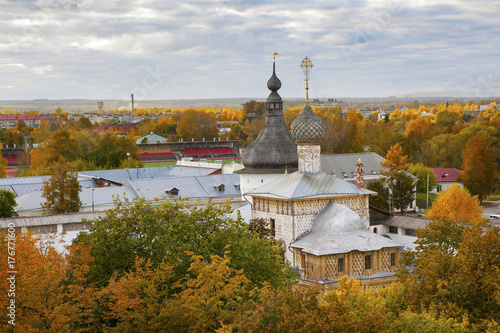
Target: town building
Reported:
point(445, 178)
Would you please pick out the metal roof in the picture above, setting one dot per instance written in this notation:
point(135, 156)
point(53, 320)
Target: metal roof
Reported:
point(338, 229)
point(346, 163)
point(100, 196)
point(189, 187)
point(121, 175)
point(406, 222)
point(152, 138)
point(28, 221)
point(183, 171)
point(303, 185)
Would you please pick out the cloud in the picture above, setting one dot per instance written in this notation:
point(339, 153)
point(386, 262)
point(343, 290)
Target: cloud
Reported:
point(103, 49)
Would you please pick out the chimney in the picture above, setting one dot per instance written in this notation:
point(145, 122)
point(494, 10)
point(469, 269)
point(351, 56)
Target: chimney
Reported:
point(360, 174)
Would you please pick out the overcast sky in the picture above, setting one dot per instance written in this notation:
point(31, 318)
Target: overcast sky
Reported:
point(189, 49)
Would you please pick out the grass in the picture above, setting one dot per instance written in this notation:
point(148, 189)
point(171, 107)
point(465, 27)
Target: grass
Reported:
point(422, 200)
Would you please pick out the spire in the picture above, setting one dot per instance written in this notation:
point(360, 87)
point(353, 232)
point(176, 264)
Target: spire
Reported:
point(274, 148)
point(306, 65)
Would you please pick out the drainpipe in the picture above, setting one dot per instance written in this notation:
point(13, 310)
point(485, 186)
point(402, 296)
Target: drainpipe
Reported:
point(251, 206)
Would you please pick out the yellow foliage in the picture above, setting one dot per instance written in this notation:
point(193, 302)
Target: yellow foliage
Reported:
point(456, 203)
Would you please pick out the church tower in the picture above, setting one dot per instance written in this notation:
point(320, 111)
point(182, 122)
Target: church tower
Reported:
point(274, 152)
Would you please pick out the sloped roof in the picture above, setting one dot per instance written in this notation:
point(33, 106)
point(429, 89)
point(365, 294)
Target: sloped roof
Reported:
point(183, 171)
point(119, 176)
point(100, 196)
point(152, 138)
point(339, 163)
point(338, 229)
point(303, 185)
point(446, 174)
point(203, 187)
point(24, 185)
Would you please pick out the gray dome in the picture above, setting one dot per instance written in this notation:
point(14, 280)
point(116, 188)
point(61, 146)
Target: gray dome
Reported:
point(308, 126)
point(274, 147)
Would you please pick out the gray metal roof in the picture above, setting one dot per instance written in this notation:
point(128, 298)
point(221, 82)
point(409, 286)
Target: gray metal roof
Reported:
point(189, 187)
point(406, 222)
point(346, 163)
point(24, 185)
point(121, 175)
point(28, 221)
point(303, 185)
point(183, 171)
point(101, 196)
point(338, 229)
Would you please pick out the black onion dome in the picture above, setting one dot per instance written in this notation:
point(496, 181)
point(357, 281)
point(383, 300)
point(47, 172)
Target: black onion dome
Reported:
point(273, 83)
point(308, 126)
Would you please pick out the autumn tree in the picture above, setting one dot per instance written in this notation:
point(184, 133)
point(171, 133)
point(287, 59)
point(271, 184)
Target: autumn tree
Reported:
point(457, 204)
point(61, 190)
point(7, 203)
point(3, 167)
point(51, 293)
point(454, 271)
point(197, 125)
point(479, 169)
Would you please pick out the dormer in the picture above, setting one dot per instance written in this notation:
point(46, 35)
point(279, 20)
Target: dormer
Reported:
point(173, 192)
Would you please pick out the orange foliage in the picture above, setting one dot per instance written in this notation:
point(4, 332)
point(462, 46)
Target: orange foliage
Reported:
point(456, 203)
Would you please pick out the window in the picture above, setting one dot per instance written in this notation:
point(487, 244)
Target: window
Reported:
point(344, 174)
point(272, 227)
point(409, 232)
point(393, 259)
point(303, 261)
point(354, 173)
point(393, 230)
point(373, 172)
point(340, 265)
point(375, 230)
point(368, 261)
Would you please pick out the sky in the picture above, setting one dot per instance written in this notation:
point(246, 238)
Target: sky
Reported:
point(194, 49)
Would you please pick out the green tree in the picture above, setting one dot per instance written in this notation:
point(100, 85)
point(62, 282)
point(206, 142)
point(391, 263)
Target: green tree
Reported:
point(403, 190)
point(165, 230)
point(110, 151)
point(479, 169)
point(61, 190)
point(381, 200)
point(7, 203)
point(421, 172)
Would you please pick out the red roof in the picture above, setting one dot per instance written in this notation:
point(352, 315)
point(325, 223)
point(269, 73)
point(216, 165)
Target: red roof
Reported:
point(23, 117)
point(446, 174)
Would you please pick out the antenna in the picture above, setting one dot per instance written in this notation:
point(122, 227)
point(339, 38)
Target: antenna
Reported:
point(306, 65)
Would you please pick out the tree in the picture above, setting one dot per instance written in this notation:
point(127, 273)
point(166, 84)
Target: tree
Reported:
point(401, 184)
point(197, 125)
point(395, 162)
point(403, 190)
point(381, 200)
point(421, 172)
point(7, 203)
point(110, 151)
point(165, 230)
point(3, 167)
point(455, 271)
point(51, 293)
point(61, 190)
point(457, 204)
point(479, 169)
